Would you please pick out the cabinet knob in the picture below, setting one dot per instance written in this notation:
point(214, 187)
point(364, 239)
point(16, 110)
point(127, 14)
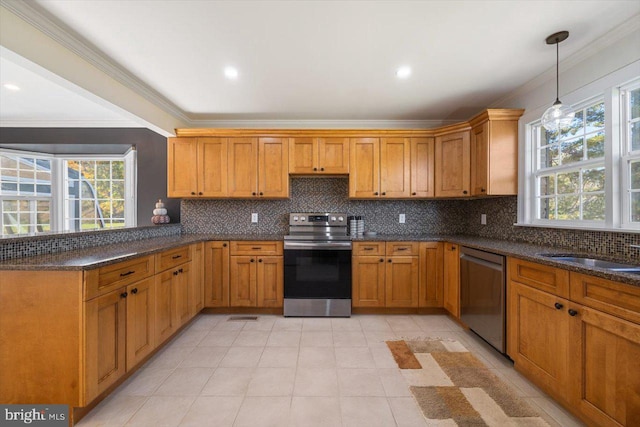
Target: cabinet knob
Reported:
point(315, 169)
point(253, 194)
point(134, 291)
point(224, 245)
point(322, 169)
point(414, 193)
point(381, 260)
point(123, 295)
point(375, 194)
point(200, 193)
point(193, 193)
point(260, 260)
point(252, 260)
point(180, 271)
point(261, 193)
point(558, 306)
point(572, 312)
point(389, 260)
point(175, 273)
point(464, 192)
point(384, 193)
point(483, 190)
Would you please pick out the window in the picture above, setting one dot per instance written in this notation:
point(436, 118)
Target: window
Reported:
point(42, 193)
point(588, 175)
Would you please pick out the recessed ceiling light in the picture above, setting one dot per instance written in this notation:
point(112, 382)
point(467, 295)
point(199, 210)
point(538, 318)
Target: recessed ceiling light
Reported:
point(403, 72)
point(11, 86)
point(231, 73)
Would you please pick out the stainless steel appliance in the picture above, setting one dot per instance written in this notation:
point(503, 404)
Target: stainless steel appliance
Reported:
point(482, 295)
point(317, 266)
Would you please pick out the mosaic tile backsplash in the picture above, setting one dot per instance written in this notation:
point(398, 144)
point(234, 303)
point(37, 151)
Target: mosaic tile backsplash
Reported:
point(41, 245)
point(321, 195)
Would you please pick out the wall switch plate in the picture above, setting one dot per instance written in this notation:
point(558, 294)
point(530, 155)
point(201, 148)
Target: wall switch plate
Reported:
point(402, 219)
point(483, 219)
point(254, 218)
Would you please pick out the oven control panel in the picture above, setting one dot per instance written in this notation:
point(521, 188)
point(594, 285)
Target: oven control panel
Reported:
point(318, 219)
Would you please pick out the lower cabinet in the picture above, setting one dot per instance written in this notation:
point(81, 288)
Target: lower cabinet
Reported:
point(451, 265)
point(141, 320)
point(196, 292)
point(182, 287)
point(256, 274)
point(165, 306)
point(430, 289)
point(368, 281)
point(216, 274)
point(105, 357)
point(583, 351)
point(401, 281)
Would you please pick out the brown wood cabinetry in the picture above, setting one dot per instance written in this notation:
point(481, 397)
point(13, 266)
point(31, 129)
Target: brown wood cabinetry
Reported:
point(318, 156)
point(196, 292)
point(364, 168)
point(385, 275)
point(197, 167)
point(216, 274)
point(141, 320)
point(422, 167)
point(451, 266)
point(494, 153)
point(431, 275)
point(256, 274)
point(258, 167)
point(582, 350)
point(452, 165)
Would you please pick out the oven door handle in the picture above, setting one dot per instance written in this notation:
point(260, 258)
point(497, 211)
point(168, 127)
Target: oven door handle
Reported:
point(321, 246)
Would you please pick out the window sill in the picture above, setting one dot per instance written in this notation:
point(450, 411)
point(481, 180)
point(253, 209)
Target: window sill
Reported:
point(577, 227)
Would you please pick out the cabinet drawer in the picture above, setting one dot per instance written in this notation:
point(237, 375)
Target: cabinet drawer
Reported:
point(403, 248)
point(368, 248)
point(543, 277)
point(172, 258)
point(256, 248)
point(106, 279)
point(611, 297)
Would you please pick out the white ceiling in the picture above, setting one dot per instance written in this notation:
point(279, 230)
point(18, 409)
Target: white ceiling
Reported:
point(320, 60)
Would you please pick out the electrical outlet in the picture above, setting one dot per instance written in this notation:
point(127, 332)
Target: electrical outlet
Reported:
point(402, 219)
point(254, 218)
point(483, 219)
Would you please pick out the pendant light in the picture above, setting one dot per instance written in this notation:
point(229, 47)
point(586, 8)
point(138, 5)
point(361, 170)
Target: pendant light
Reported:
point(558, 116)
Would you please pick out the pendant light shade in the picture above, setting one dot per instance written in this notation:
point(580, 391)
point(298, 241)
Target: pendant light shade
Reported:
point(558, 116)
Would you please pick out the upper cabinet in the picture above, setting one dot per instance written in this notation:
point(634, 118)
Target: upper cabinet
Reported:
point(452, 165)
point(197, 167)
point(494, 153)
point(318, 156)
point(422, 167)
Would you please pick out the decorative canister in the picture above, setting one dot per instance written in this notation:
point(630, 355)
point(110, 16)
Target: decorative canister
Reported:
point(160, 214)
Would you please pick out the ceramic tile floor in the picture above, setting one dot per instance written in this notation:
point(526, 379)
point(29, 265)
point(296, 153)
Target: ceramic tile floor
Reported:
point(280, 371)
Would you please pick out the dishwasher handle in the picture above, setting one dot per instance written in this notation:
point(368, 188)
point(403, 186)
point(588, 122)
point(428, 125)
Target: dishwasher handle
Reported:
point(488, 264)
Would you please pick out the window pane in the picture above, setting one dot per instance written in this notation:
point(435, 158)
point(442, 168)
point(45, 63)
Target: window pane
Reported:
point(568, 182)
point(593, 207)
point(595, 117)
point(118, 208)
point(635, 175)
point(549, 156)
point(593, 180)
point(105, 208)
point(88, 209)
point(103, 170)
point(635, 136)
point(8, 162)
point(87, 190)
point(88, 169)
point(635, 207)
point(572, 151)
point(9, 188)
point(595, 146)
point(117, 169)
point(547, 208)
point(569, 207)
point(547, 185)
point(10, 205)
point(117, 190)
point(103, 189)
point(634, 104)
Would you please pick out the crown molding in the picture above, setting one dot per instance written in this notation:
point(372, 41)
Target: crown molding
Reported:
point(63, 35)
point(619, 32)
point(69, 124)
point(320, 124)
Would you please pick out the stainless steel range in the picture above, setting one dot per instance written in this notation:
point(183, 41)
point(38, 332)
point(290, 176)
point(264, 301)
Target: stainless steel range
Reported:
point(317, 266)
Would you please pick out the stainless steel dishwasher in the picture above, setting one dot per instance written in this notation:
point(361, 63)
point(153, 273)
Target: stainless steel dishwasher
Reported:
point(482, 295)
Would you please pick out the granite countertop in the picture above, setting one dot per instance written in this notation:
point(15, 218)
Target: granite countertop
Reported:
point(99, 256)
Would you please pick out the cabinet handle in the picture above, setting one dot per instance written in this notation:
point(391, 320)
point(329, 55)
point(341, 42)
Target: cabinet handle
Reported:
point(367, 249)
point(258, 248)
point(127, 273)
point(322, 169)
point(175, 273)
point(414, 193)
point(180, 271)
point(464, 192)
point(401, 249)
point(572, 312)
point(123, 295)
point(134, 291)
point(315, 169)
point(176, 256)
point(558, 306)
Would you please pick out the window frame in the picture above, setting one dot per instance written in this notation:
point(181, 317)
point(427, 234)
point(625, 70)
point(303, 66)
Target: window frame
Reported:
point(58, 199)
point(627, 155)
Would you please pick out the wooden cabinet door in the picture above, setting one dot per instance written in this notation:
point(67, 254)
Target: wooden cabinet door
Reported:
point(401, 282)
point(105, 342)
point(364, 168)
point(303, 156)
point(538, 337)
point(182, 175)
point(197, 279)
point(216, 274)
point(141, 320)
point(605, 374)
point(242, 281)
point(395, 167)
point(333, 156)
point(430, 291)
point(452, 165)
point(165, 306)
point(452, 279)
point(480, 159)
point(273, 168)
point(422, 167)
point(242, 167)
point(182, 287)
point(368, 281)
point(270, 281)
point(212, 167)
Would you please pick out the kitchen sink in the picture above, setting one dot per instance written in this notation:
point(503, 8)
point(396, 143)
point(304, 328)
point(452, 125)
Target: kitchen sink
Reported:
point(593, 262)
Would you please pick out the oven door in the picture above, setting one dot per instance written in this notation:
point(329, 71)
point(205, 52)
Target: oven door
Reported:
point(317, 270)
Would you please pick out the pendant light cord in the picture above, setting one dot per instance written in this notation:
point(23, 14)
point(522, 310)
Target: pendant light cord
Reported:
point(557, 71)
